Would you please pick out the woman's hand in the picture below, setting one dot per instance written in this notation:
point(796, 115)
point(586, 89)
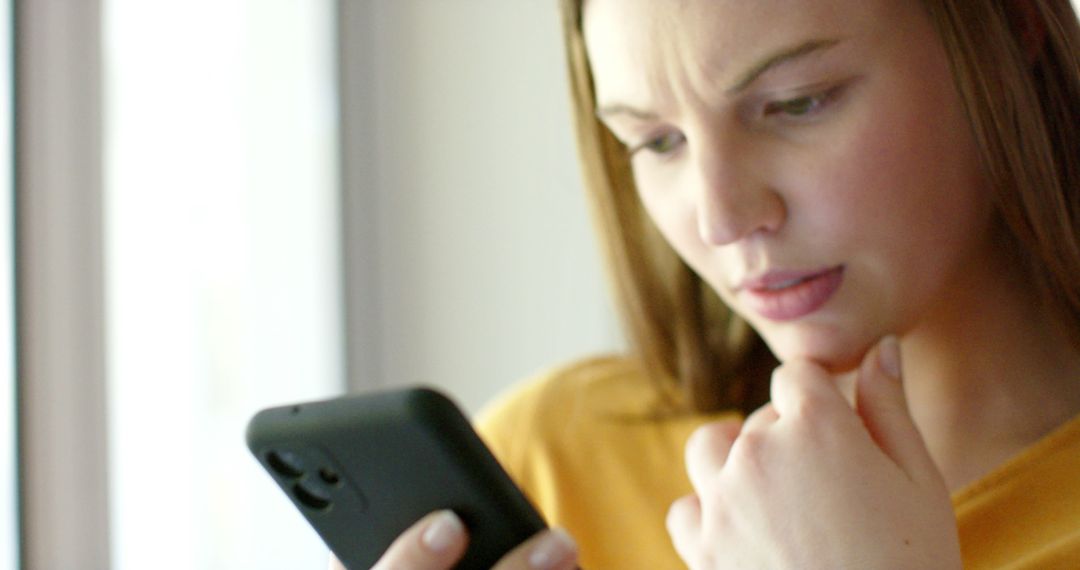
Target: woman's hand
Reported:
point(438, 541)
point(809, 482)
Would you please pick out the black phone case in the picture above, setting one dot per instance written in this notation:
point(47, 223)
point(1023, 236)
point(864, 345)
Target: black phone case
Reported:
point(362, 469)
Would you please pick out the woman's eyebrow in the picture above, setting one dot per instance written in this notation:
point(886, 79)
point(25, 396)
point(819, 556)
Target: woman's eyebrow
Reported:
point(785, 55)
point(608, 111)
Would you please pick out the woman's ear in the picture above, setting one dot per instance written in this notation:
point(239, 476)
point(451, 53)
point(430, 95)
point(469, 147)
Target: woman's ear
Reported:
point(1028, 23)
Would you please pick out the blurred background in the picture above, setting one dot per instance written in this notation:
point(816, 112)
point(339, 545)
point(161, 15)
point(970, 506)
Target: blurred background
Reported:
point(215, 206)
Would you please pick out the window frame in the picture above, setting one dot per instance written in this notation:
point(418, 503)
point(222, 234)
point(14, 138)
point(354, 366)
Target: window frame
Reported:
point(60, 368)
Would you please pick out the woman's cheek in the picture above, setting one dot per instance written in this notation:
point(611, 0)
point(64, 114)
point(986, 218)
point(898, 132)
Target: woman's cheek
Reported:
point(670, 210)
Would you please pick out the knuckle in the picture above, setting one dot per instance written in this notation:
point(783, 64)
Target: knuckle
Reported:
point(801, 386)
point(807, 408)
point(710, 436)
point(798, 374)
point(760, 417)
point(679, 514)
point(748, 452)
point(698, 440)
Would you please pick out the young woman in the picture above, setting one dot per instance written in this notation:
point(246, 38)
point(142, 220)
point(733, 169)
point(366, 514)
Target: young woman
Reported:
point(844, 237)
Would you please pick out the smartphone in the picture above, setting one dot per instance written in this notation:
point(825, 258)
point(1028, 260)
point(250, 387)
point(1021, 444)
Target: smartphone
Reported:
point(364, 468)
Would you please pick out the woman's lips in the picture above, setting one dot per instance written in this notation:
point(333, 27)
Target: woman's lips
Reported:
point(789, 295)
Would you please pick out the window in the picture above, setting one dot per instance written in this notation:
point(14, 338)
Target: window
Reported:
point(222, 278)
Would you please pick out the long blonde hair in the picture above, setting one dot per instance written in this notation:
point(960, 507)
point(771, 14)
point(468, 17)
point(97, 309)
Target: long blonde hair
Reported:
point(1016, 65)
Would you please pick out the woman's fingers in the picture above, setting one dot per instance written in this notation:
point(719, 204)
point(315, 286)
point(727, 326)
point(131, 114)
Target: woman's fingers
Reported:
point(684, 526)
point(552, 549)
point(761, 418)
point(802, 387)
point(436, 542)
point(882, 405)
point(707, 450)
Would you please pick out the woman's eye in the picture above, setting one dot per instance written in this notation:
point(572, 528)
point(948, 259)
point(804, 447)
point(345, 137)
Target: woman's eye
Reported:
point(662, 145)
point(796, 107)
point(799, 107)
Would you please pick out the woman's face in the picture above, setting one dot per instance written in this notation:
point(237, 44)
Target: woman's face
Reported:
point(810, 159)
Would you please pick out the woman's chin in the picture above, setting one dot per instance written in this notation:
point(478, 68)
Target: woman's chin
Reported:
point(836, 353)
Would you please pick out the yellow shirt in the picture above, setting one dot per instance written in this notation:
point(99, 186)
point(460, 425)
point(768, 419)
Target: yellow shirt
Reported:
point(586, 445)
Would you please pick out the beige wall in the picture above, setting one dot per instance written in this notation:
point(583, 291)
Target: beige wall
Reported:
point(484, 268)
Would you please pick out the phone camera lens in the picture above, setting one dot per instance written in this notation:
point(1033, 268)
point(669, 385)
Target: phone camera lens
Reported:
point(312, 495)
point(286, 463)
point(329, 476)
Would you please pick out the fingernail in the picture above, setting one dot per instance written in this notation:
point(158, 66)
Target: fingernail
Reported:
point(443, 531)
point(889, 356)
point(553, 549)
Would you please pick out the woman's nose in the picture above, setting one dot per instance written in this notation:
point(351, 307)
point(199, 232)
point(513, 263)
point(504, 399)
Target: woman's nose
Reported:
point(733, 197)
